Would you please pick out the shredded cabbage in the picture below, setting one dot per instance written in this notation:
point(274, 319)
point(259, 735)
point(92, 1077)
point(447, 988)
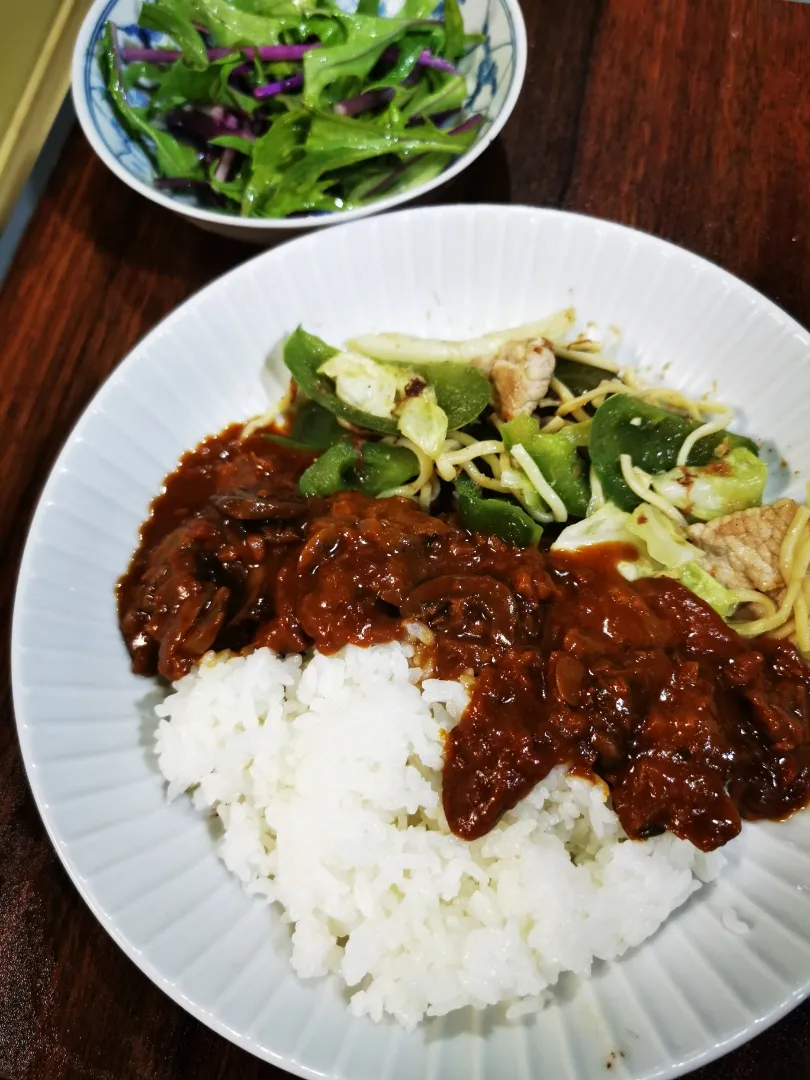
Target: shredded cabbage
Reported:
point(735, 482)
point(608, 525)
point(421, 420)
point(379, 390)
point(365, 384)
point(661, 550)
point(427, 350)
point(701, 582)
point(661, 538)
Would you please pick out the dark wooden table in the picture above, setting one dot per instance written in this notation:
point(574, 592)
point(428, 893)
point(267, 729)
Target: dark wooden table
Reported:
point(687, 118)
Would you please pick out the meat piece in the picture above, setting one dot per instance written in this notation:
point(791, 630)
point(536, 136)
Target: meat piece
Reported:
point(261, 505)
point(520, 374)
point(473, 607)
point(742, 549)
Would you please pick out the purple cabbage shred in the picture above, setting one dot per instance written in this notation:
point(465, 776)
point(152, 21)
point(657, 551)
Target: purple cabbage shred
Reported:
point(268, 53)
point(294, 82)
point(371, 99)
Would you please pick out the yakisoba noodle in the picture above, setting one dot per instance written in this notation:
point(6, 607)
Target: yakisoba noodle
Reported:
point(639, 483)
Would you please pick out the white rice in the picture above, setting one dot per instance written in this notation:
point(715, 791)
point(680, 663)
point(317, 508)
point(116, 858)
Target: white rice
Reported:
point(327, 778)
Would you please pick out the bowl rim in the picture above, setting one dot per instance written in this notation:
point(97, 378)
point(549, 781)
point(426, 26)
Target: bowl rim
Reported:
point(99, 12)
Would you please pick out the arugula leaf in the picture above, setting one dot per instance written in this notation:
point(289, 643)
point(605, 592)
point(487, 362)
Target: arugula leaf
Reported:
point(228, 94)
point(228, 25)
point(232, 189)
point(317, 181)
point(419, 171)
point(410, 48)
point(368, 7)
point(234, 142)
point(331, 134)
point(313, 200)
point(329, 31)
point(367, 39)
point(454, 44)
point(385, 182)
point(186, 8)
point(271, 154)
point(141, 72)
point(359, 182)
point(307, 185)
point(181, 85)
point(171, 18)
point(174, 159)
point(448, 96)
point(313, 181)
point(274, 7)
point(418, 9)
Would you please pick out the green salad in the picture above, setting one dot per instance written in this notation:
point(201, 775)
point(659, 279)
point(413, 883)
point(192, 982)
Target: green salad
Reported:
point(273, 108)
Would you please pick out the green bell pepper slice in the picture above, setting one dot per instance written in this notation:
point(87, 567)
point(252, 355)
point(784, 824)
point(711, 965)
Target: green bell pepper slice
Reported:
point(555, 454)
point(332, 472)
point(313, 428)
point(385, 468)
point(316, 426)
point(304, 354)
point(372, 468)
point(580, 378)
point(462, 392)
point(494, 516)
point(652, 437)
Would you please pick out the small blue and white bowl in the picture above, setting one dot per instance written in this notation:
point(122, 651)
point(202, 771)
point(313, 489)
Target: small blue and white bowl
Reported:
point(494, 71)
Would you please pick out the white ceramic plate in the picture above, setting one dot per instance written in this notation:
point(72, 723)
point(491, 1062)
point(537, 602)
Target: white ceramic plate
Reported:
point(148, 870)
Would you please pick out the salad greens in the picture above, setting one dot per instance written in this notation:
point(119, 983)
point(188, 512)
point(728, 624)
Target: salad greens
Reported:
point(272, 108)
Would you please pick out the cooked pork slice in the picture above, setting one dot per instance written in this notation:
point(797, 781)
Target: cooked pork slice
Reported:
point(520, 373)
point(742, 549)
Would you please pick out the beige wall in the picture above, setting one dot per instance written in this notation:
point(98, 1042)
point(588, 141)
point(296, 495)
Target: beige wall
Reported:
point(37, 40)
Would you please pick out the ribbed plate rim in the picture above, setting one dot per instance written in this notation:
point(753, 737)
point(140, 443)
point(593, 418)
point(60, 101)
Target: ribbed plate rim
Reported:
point(122, 373)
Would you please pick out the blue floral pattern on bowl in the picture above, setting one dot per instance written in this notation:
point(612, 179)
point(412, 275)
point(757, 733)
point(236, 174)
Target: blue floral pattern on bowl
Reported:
point(490, 70)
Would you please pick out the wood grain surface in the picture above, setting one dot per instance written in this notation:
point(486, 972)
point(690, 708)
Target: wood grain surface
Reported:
point(686, 118)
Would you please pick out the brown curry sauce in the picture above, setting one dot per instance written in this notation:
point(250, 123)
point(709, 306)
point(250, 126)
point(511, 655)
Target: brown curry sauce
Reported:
point(640, 684)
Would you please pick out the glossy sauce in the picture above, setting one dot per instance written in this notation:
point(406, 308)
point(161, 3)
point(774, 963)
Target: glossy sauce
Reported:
point(640, 684)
